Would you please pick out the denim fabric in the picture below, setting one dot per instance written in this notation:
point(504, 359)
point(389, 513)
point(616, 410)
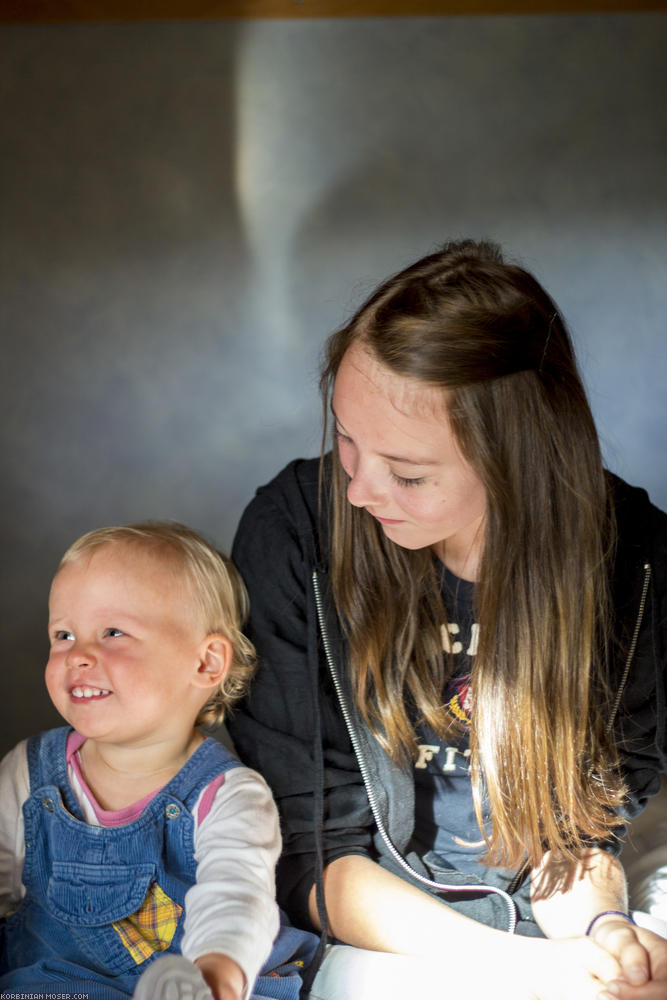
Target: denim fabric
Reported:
point(81, 879)
point(292, 952)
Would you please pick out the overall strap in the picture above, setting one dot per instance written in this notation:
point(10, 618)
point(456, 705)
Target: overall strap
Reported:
point(47, 765)
point(209, 760)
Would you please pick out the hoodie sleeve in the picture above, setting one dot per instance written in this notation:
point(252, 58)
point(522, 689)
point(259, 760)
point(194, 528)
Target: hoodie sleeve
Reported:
point(640, 594)
point(274, 727)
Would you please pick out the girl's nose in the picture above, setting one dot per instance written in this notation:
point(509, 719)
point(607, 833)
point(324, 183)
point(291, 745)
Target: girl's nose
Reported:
point(362, 489)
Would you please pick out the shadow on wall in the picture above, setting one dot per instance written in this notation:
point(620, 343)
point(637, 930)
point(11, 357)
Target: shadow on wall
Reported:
point(162, 352)
point(122, 284)
point(616, 321)
point(542, 133)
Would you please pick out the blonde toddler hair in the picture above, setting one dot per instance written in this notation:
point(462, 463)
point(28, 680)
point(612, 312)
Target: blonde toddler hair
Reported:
point(215, 587)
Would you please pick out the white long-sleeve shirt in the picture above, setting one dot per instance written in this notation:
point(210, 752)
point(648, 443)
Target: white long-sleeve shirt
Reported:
point(231, 909)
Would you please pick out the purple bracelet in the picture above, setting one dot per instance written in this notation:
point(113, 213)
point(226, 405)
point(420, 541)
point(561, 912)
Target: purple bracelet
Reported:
point(607, 913)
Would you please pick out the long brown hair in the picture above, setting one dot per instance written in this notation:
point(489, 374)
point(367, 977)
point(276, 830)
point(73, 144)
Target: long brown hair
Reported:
point(467, 321)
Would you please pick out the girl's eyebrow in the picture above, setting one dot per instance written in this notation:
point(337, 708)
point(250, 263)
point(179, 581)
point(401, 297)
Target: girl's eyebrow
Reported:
point(391, 458)
point(409, 461)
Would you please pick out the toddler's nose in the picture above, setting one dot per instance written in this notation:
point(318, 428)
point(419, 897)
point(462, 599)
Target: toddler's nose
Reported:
point(80, 657)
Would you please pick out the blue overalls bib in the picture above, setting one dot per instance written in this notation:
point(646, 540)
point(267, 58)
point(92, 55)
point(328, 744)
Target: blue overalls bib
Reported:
point(103, 902)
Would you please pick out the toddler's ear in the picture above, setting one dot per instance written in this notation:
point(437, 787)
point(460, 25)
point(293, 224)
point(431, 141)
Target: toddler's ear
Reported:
point(215, 657)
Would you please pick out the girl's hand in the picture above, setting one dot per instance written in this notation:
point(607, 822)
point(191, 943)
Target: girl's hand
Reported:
point(653, 959)
point(563, 969)
point(654, 990)
point(620, 938)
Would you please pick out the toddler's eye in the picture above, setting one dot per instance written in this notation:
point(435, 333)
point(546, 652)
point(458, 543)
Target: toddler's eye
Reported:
point(62, 635)
point(113, 633)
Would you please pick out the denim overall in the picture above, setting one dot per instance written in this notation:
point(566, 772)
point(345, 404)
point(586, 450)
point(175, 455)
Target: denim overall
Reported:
point(103, 902)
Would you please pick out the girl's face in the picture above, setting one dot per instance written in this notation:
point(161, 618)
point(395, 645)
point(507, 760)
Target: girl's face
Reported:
point(397, 446)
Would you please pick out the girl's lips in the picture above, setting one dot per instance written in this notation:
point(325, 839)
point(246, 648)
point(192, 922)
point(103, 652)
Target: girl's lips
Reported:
point(386, 520)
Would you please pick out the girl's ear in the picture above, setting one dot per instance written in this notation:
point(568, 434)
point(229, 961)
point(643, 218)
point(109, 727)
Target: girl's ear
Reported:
point(215, 658)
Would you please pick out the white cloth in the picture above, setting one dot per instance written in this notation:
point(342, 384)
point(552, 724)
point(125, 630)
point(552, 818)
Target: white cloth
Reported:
point(231, 910)
point(348, 973)
point(650, 922)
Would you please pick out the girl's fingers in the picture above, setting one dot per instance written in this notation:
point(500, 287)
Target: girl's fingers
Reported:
point(655, 990)
point(619, 939)
point(601, 963)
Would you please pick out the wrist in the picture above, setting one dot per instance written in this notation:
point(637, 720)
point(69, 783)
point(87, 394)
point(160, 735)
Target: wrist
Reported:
point(223, 976)
point(607, 916)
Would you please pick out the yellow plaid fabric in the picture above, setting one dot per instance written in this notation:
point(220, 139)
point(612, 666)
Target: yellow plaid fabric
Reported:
point(152, 927)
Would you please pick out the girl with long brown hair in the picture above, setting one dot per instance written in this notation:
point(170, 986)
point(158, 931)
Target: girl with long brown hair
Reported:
point(458, 615)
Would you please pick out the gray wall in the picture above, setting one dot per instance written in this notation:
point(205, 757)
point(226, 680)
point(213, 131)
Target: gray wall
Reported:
point(187, 210)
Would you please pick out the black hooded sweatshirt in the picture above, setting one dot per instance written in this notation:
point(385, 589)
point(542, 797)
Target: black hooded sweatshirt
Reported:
point(337, 791)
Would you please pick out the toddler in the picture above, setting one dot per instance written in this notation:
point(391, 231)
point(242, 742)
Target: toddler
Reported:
point(136, 856)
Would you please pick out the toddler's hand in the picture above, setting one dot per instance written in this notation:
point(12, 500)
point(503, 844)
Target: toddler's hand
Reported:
point(223, 975)
point(172, 977)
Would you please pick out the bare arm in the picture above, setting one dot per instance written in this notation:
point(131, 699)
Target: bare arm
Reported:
point(371, 908)
point(565, 901)
point(597, 885)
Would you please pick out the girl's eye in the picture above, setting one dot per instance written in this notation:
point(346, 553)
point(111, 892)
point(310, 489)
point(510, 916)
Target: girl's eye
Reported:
point(407, 482)
point(62, 635)
point(113, 633)
point(342, 437)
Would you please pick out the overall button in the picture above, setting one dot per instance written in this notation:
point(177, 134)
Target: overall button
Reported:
point(48, 804)
point(172, 811)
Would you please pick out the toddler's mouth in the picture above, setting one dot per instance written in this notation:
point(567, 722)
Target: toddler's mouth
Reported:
point(89, 692)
